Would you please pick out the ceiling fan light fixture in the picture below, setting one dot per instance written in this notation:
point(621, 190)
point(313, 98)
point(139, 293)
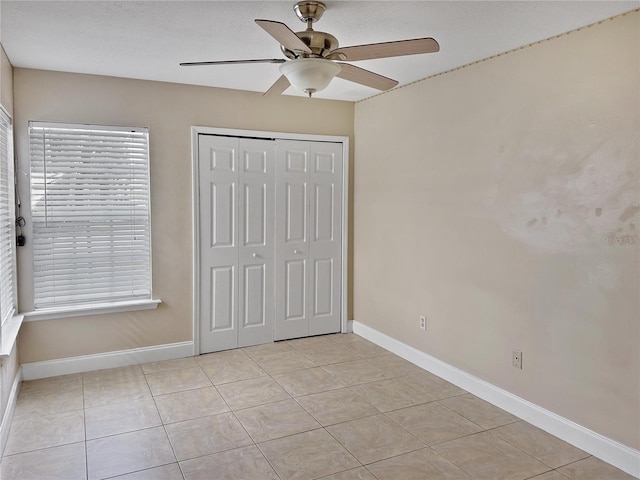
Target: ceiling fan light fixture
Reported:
point(310, 75)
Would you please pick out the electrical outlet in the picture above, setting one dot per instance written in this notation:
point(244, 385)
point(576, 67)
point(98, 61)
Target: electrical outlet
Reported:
point(516, 359)
point(423, 322)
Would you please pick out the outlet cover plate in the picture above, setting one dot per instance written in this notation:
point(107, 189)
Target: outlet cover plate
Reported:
point(516, 359)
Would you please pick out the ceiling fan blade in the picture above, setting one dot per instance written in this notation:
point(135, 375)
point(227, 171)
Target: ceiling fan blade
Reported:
point(365, 77)
point(284, 35)
point(233, 62)
point(278, 87)
point(388, 49)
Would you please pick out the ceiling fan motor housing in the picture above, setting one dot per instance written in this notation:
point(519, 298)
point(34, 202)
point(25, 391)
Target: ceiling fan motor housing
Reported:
point(320, 43)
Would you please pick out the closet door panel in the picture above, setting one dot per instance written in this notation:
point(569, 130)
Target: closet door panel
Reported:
point(221, 298)
point(292, 223)
point(218, 241)
point(323, 301)
point(295, 211)
point(325, 237)
point(295, 304)
point(256, 249)
point(254, 299)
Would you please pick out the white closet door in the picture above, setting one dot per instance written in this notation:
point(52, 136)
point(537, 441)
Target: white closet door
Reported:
point(292, 246)
point(236, 242)
point(325, 237)
point(256, 242)
point(308, 238)
point(218, 179)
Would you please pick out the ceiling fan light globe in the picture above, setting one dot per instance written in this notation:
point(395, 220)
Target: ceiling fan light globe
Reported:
point(310, 75)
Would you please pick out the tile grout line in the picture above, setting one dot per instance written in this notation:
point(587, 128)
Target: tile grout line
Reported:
point(490, 430)
point(255, 444)
point(291, 397)
point(237, 419)
point(153, 397)
point(84, 422)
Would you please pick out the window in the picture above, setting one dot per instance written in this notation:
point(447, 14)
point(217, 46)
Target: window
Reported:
point(90, 215)
point(7, 221)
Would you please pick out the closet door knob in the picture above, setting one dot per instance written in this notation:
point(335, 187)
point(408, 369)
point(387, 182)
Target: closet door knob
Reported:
point(254, 255)
point(296, 251)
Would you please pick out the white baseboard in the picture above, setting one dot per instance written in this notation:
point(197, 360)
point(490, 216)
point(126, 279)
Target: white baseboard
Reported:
point(99, 361)
point(615, 453)
point(5, 426)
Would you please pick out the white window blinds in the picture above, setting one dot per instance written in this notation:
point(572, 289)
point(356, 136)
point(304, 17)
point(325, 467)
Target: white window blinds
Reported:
point(90, 213)
point(7, 221)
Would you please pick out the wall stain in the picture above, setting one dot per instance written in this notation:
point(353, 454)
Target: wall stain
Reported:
point(629, 212)
point(582, 188)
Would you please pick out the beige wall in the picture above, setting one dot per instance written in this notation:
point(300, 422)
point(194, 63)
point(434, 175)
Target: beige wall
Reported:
point(482, 197)
point(9, 366)
point(169, 110)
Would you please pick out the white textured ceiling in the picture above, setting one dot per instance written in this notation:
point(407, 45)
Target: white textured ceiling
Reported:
point(147, 39)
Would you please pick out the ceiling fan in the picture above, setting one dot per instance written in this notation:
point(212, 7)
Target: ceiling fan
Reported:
point(315, 58)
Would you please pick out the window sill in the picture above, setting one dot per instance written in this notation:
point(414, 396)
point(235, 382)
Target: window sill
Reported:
point(95, 309)
point(9, 335)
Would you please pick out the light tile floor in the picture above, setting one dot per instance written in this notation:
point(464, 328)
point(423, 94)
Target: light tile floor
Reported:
point(334, 407)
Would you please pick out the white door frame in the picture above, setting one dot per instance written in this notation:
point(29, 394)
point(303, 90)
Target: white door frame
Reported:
point(195, 187)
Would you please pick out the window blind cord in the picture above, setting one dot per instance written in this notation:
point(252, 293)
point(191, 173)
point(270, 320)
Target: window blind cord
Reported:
point(20, 220)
